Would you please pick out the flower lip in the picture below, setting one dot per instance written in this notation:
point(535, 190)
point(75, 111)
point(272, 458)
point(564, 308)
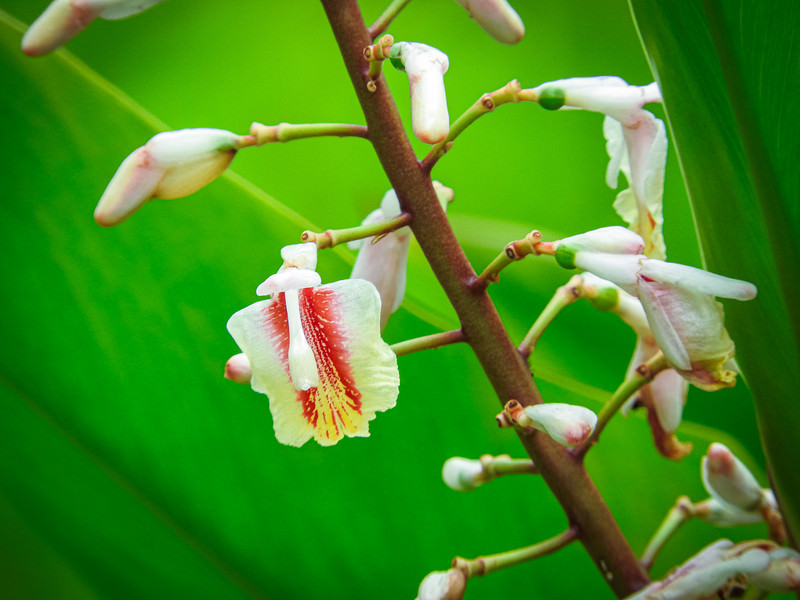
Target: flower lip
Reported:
point(697, 280)
point(288, 279)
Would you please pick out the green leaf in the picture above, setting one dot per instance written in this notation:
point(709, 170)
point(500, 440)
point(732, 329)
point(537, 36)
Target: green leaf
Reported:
point(730, 75)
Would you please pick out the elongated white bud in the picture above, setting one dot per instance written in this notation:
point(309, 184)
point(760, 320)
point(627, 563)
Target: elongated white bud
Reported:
point(726, 478)
point(568, 424)
point(172, 164)
point(783, 574)
point(64, 19)
point(497, 18)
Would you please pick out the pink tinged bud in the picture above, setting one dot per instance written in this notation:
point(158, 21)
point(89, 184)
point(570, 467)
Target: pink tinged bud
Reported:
point(729, 481)
point(701, 576)
point(783, 574)
point(497, 18)
point(443, 585)
point(462, 474)
point(172, 164)
point(237, 369)
point(426, 66)
point(567, 424)
point(64, 19)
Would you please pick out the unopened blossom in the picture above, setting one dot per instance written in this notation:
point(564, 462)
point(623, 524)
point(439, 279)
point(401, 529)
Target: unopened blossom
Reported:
point(497, 18)
point(316, 352)
point(636, 144)
point(172, 164)
point(443, 585)
point(727, 479)
point(686, 320)
point(463, 474)
point(382, 260)
point(701, 576)
point(238, 369)
point(568, 424)
point(425, 67)
point(783, 574)
point(665, 396)
point(64, 19)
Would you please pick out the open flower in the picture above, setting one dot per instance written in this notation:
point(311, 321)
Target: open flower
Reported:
point(664, 397)
point(382, 260)
point(497, 18)
point(425, 66)
point(172, 164)
point(636, 144)
point(64, 19)
point(316, 352)
point(686, 320)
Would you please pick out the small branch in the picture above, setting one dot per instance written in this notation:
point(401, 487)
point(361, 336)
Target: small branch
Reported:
point(334, 237)
point(484, 565)
point(564, 296)
point(499, 466)
point(643, 375)
point(677, 516)
point(388, 15)
point(428, 342)
point(485, 104)
point(286, 132)
point(514, 251)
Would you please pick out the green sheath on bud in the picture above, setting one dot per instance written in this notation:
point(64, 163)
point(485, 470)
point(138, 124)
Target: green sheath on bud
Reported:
point(394, 58)
point(565, 256)
point(606, 300)
point(552, 98)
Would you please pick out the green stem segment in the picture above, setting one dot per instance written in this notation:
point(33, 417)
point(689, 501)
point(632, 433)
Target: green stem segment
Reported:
point(286, 132)
point(643, 375)
point(428, 342)
point(564, 296)
point(485, 104)
point(482, 326)
point(514, 251)
point(677, 516)
point(484, 565)
point(387, 16)
point(334, 237)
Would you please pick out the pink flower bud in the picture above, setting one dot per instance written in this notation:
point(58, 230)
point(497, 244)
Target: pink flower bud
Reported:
point(237, 369)
point(172, 164)
point(729, 481)
point(497, 18)
point(567, 424)
point(425, 66)
point(443, 585)
point(64, 19)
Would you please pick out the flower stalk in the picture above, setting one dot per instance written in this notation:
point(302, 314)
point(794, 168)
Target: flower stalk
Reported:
point(428, 342)
point(565, 295)
point(514, 251)
point(682, 511)
point(334, 237)
point(386, 18)
point(286, 132)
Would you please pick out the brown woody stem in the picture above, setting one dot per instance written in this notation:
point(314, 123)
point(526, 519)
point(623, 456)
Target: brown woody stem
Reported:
point(483, 329)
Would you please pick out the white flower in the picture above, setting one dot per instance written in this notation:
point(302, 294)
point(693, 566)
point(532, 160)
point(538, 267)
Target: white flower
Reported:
point(64, 19)
point(425, 66)
point(783, 574)
point(316, 352)
point(497, 18)
point(567, 424)
point(172, 164)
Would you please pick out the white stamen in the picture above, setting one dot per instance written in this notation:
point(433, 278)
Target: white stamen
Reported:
point(302, 364)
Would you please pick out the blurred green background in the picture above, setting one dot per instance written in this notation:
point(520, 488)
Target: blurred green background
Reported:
point(131, 469)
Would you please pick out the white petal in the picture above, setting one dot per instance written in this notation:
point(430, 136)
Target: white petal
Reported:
point(178, 148)
point(302, 364)
point(497, 18)
point(120, 9)
point(698, 280)
point(301, 256)
point(660, 316)
point(288, 279)
point(614, 240)
point(621, 269)
point(669, 391)
point(617, 152)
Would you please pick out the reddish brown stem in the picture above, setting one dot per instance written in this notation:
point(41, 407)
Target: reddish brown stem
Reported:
point(482, 327)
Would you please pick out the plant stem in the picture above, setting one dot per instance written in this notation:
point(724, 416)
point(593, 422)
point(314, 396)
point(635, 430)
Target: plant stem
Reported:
point(334, 237)
point(643, 375)
point(428, 342)
point(677, 516)
point(564, 296)
point(485, 104)
point(388, 15)
point(499, 466)
point(286, 132)
point(514, 251)
point(484, 565)
point(482, 326)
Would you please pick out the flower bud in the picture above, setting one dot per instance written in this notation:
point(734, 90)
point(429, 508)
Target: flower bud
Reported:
point(613, 240)
point(172, 164)
point(783, 574)
point(237, 369)
point(729, 481)
point(497, 18)
point(462, 474)
point(443, 585)
point(568, 424)
point(425, 66)
point(64, 19)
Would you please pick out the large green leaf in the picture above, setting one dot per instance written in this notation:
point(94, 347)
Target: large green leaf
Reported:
point(730, 75)
point(130, 468)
